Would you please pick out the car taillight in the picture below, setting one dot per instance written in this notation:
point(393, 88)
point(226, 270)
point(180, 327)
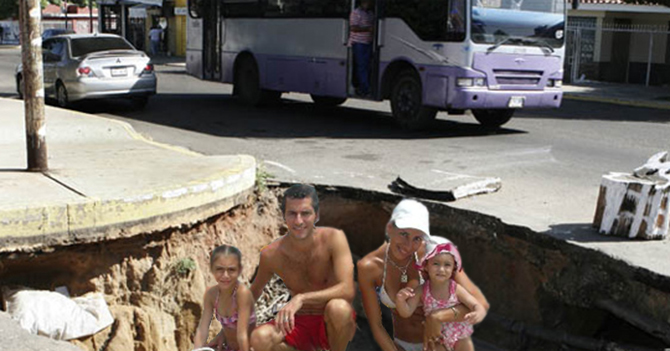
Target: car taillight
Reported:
point(148, 68)
point(84, 71)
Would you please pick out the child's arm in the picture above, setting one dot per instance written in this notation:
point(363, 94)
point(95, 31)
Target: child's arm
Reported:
point(245, 303)
point(218, 341)
point(407, 300)
point(478, 312)
point(202, 331)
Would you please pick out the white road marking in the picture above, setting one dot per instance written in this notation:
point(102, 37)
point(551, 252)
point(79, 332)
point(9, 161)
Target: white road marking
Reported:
point(279, 165)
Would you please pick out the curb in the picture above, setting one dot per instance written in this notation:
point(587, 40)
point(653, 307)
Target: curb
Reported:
point(223, 182)
point(625, 102)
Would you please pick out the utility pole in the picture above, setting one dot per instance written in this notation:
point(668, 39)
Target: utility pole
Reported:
point(90, 16)
point(30, 14)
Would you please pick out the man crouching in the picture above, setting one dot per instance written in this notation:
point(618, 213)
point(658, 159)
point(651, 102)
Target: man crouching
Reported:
point(316, 266)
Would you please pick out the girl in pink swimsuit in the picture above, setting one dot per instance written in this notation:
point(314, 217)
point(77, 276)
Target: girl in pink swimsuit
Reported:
point(229, 301)
point(440, 291)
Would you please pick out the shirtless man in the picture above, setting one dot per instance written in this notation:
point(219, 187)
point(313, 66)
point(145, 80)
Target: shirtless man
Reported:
point(316, 265)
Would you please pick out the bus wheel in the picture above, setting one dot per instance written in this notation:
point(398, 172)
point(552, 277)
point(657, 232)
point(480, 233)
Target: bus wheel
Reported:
point(249, 86)
point(327, 101)
point(406, 103)
point(248, 83)
point(492, 119)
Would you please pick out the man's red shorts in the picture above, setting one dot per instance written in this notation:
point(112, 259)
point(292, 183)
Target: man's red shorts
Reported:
point(309, 333)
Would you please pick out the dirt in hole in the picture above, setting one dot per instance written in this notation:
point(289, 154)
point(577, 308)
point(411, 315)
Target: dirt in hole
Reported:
point(154, 282)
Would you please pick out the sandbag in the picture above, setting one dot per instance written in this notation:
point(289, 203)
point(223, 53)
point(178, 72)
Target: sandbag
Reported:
point(56, 316)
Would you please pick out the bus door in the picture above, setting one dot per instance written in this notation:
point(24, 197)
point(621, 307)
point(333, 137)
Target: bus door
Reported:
point(376, 48)
point(373, 66)
point(212, 43)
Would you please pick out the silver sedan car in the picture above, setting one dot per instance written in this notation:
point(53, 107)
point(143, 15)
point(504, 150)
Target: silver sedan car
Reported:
point(92, 66)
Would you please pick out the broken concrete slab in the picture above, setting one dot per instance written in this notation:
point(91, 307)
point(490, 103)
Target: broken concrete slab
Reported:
point(443, 186)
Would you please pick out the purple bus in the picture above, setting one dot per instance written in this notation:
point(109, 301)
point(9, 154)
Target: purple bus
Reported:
point(491, 57)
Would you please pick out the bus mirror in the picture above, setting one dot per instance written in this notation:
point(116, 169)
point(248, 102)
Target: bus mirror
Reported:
point(194, 7)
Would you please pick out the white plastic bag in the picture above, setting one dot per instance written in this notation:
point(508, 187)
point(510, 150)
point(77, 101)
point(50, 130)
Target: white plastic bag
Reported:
point(56, 316)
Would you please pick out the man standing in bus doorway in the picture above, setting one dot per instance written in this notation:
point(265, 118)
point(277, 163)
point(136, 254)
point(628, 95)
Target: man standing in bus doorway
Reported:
point(361, 26)
point(155, 39)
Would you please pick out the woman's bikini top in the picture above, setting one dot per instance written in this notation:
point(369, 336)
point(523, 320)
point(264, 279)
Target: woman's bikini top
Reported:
point(382, 294)
point(231, 322)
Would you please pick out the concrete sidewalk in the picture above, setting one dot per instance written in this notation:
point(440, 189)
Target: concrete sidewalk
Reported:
point(620, 94)
point(104, 175)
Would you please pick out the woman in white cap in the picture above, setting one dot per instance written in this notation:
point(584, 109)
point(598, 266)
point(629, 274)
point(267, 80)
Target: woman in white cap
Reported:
point(391, 267)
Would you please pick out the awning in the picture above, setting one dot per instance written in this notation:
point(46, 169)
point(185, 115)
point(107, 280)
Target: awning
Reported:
point(158, 3)
point(137, 11)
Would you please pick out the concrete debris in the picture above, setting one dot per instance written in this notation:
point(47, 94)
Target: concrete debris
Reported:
point(443, 186)
point(656, 169)
point(636, 205)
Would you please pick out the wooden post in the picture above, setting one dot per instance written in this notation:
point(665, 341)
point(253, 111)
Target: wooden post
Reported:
point(33, 91)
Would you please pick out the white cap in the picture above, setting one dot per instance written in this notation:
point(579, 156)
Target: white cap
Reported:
point(411, 214)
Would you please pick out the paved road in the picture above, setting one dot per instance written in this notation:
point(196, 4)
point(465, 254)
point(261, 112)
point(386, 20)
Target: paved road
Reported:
point(550, 161)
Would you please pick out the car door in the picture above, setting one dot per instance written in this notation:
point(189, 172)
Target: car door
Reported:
point(49, 60)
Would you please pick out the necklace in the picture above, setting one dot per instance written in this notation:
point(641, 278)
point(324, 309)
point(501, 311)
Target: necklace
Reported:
point(403, 270)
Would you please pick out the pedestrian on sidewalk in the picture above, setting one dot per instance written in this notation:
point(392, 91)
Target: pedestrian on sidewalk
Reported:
point(155, 35)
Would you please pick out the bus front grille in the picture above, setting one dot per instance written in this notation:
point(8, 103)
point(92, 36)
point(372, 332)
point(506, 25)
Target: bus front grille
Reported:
point(517, 77)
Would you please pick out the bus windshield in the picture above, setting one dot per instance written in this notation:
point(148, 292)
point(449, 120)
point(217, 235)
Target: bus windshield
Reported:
point(518, 22)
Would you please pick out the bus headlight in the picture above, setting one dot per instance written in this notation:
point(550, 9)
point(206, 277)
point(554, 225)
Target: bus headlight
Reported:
point(480, 82)
point(464, 82)
point(554, 83)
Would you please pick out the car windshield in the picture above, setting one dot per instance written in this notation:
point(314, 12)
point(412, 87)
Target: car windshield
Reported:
point(84, 46)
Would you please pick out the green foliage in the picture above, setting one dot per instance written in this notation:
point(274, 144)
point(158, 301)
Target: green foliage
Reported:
point(262, 176)
point(80, 3)
point(185, 266)
point(10, 8)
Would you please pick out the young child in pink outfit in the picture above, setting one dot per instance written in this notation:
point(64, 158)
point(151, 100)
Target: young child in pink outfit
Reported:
point(441, 291)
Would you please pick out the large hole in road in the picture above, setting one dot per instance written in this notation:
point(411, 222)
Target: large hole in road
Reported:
point(545, 294)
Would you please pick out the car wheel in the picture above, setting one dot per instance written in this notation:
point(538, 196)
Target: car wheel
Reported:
point(20, 87)
point(406, 102)
point(327, 101)
point(492, 119)
point(61, 95)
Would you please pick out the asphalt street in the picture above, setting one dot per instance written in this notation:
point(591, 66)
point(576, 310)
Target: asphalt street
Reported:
point(550, 161)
